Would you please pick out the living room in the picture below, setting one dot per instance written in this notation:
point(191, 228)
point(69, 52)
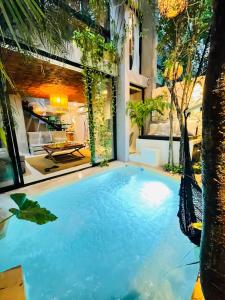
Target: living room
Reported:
point(50, 115)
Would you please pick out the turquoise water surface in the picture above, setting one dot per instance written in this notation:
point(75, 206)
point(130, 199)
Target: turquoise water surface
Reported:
point(117, 236)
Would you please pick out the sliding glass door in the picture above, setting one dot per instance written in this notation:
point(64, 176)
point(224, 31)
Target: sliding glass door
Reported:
point(10, 168)
point(102, 112)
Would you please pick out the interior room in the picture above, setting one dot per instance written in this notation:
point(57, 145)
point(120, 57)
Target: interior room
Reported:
point(50, 116)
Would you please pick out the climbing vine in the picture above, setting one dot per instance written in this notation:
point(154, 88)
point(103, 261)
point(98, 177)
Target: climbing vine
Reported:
point(99, 57)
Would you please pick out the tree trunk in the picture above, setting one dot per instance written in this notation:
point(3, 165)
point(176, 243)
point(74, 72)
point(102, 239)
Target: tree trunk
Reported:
point(212, 259)
point(170, 154)
point(181, 151)
point(180, 118)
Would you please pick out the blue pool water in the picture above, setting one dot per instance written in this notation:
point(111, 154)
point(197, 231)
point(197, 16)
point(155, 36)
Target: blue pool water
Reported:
point(116, 237)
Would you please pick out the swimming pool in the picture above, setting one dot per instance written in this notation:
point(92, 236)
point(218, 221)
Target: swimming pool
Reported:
point(116, 237)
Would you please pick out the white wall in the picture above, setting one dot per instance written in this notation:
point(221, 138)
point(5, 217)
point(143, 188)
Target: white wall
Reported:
point(122, 99)
point(149, 44)
point(163, 148)
point(126, 76)
point(74, 54)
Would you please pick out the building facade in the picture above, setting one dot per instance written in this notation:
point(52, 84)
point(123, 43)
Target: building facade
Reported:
point(47, 110)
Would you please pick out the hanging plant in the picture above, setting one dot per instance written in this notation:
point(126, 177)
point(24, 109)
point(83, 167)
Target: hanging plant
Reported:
point(95, 49)
point(172, 8)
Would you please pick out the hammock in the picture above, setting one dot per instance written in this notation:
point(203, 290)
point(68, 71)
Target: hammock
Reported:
point(190, 206)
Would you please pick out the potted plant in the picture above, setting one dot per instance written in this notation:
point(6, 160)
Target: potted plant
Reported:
point(139, 111)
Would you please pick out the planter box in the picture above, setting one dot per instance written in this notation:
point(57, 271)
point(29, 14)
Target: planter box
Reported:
point(157, 148)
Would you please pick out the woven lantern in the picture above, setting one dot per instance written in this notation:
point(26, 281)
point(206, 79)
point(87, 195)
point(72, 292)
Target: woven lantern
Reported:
point(59, 103)
point(171, 8)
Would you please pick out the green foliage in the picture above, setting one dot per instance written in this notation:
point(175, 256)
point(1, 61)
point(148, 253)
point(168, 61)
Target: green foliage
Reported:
point(94, 48)
point(97, 54)
point(178, 169)
point(182, 39)
point(173, 169)
point(30, 22)
point(104, 163)
point(30, 210)
point(99, 8)
point(158, 104)
point(102, 130)
point(139, 111)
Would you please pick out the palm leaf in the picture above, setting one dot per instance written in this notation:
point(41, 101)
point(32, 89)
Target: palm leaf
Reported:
point(24, 21)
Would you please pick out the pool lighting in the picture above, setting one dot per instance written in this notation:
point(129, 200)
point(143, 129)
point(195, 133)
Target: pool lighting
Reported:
point(155, 192)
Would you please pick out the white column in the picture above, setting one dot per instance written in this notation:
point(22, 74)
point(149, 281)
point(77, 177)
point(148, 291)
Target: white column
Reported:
point(122, 99)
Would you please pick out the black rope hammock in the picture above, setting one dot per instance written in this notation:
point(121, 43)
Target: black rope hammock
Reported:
point(190, 206)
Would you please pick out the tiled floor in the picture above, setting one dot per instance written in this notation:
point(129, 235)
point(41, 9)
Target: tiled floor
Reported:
point(33, 175)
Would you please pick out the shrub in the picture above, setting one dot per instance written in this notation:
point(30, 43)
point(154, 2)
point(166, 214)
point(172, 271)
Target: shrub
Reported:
point(172, 169)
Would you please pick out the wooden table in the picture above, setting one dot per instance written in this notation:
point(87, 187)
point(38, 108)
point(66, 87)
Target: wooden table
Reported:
point(63, 147)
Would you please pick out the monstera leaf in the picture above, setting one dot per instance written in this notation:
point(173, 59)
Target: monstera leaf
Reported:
point(30, 210)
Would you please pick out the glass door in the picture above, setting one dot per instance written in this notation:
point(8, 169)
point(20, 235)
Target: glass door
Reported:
point(101, 114)
point(10, 168)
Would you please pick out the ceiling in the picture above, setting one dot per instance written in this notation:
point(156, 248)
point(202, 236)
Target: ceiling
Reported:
point(37, 78)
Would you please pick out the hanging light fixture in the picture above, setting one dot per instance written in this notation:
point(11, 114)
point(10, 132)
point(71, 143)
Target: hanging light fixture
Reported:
point(59, 101)
point(172, 8)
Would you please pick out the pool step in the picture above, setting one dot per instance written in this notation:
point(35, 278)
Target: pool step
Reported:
point(11, 284)
point(148, 156)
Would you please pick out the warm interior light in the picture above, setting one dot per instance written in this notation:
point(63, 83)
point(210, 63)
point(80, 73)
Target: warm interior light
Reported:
point(171, 8)
point(60, 101)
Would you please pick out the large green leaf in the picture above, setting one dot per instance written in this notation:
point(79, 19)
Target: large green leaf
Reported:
point(19, 199)
point(30, 210)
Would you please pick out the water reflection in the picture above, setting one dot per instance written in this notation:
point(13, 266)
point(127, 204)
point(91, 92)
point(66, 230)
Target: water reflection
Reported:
point(155, 192)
